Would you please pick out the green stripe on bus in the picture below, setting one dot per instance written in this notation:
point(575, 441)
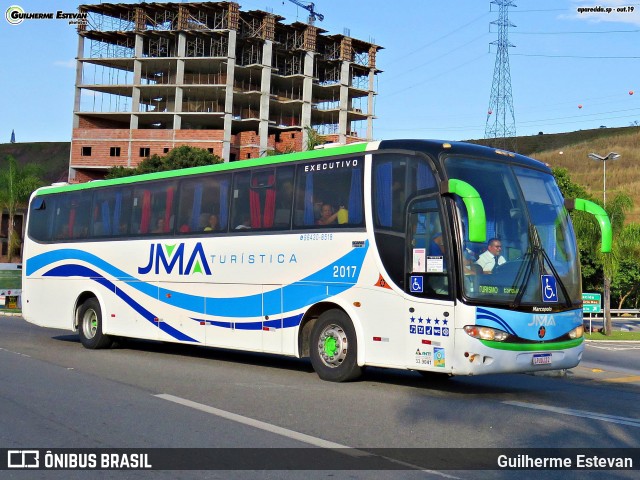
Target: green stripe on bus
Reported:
point(220, 167)
point(533, 347)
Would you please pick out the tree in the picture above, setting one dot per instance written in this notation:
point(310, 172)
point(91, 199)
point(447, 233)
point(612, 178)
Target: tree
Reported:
point(627, 280)
point(568, 188)
point(314, 139)
point(626, 284)
point(590, 265)
point(16, 185)
point(623, 246)
point(184, 156)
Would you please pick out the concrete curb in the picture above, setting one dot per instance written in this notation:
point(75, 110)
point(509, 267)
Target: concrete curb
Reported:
point(612, 341)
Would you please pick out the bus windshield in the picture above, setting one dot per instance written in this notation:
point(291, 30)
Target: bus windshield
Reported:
point(530, 256)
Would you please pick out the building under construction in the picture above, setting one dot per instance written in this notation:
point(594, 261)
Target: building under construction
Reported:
point(153, 76)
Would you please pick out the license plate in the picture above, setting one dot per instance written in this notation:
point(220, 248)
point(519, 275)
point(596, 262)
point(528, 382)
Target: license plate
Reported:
point(542, 359)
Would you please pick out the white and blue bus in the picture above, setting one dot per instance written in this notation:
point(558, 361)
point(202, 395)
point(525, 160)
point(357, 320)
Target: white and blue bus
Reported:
point(359, 255)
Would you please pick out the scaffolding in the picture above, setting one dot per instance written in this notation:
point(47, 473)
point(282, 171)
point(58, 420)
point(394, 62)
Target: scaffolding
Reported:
point(250, 54)
point(157, 46)
point(96, 74)
point(162, 20)
point(123, 21)
point(170, 65)
point(287, 65)
point(120, 47)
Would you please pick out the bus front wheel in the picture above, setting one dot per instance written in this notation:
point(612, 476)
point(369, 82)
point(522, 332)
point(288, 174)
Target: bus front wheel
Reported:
point(334, 348)
point(90, 326)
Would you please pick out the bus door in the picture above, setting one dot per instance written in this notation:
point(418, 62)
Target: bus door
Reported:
point(428, 283)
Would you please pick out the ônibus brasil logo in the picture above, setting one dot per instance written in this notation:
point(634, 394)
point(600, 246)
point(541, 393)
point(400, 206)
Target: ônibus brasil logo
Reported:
point(14, 15)
point(172, 256)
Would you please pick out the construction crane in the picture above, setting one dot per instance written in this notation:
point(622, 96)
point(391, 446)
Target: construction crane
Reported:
point(310, 7)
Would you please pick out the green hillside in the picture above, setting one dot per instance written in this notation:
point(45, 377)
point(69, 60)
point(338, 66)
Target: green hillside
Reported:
point(53, 157)
point(542, 142)
point(623, 174)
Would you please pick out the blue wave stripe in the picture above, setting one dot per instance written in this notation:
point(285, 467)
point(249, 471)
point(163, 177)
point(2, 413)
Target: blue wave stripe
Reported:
point(215, 323)
point(292, 321)
point(289, 298)
point(483, 314)
point(82, 271)
point(287, 322)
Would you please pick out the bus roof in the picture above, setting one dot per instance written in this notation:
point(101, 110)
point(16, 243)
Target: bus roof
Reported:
point(432, 147)
point(219, 167)
point(437, 147)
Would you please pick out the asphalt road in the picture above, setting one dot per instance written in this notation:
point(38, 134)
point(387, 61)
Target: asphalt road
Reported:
point(55, 394)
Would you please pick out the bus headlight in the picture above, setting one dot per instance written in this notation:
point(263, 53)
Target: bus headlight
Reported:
point(577, 332)
point(486, 333)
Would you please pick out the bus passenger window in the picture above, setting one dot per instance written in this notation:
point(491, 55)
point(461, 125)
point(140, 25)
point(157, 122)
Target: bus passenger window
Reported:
point(333, 187)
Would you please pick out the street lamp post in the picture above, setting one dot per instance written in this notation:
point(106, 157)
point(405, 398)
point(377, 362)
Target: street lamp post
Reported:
point(607, 281)
point(610, 156)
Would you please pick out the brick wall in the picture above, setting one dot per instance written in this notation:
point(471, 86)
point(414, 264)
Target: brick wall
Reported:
point(289, 141)
point(244, 145)
point(84, 176)
point(97, 123)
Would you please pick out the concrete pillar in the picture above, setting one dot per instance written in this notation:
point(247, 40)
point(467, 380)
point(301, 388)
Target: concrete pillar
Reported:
point(182, 48)
point(343, 123)
point(79, 81)
point(370, 104)
point(76, 101)
point(307, 97)
point(265, 94)
point(228, 102)
point(137, 76)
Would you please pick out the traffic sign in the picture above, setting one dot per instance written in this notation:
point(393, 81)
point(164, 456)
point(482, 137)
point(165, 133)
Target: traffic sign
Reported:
point(591, 303)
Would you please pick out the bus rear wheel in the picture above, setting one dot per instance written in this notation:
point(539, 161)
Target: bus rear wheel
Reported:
point(334, 348)
point(90, 326)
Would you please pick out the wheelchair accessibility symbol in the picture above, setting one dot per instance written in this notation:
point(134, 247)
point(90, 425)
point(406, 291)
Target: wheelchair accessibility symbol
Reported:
point(549, 288)
point(416, 284)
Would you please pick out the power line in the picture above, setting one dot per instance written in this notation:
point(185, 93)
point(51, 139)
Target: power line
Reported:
point(530, 123)
point(596, 114)
point(455, 30)
point(578, 32)
point(501, 121)
point(574, 56)
point(435, 76)
point(404, 72)
point(543, 10)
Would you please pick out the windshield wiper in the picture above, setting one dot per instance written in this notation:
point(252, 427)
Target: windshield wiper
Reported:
point(565, 292)
point(533, 252)
point(537, 252)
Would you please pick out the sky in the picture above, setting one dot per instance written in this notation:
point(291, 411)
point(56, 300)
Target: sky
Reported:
point(569, 70)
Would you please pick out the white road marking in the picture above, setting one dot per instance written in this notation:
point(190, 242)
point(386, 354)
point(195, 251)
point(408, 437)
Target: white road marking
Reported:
point(15, 353)
point(285, 432)
point(614, 346)
point(633, 422)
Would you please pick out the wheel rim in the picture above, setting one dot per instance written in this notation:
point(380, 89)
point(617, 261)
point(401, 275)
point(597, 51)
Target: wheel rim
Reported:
point(333, 346)
point(90, 323)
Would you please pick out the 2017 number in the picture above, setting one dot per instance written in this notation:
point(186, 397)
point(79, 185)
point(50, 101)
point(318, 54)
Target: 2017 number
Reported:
point(342, 271)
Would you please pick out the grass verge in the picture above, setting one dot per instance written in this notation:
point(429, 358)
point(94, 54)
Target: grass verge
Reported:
point(615, 335)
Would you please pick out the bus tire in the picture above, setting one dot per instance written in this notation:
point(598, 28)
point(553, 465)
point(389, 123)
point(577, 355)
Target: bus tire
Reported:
point(334, 347)
point(90, 326)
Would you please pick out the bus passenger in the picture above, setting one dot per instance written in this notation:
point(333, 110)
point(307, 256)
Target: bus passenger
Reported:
point(246, 223)
point(327, 216)
point(212, 224)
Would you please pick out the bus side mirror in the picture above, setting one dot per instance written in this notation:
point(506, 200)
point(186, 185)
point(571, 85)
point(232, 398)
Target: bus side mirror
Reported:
point(601, 216)
point(473, 203)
